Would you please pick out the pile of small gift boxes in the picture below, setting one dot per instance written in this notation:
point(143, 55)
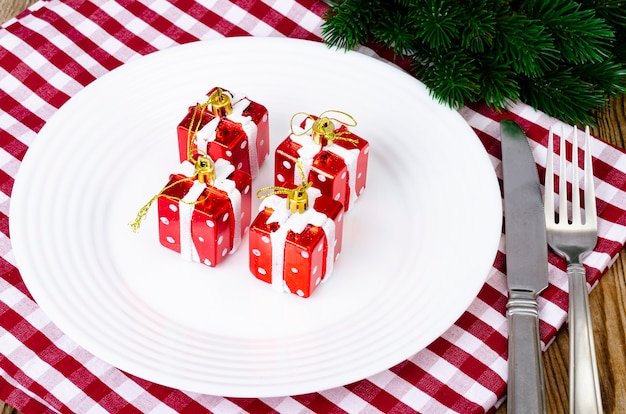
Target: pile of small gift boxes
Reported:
point(205, 209)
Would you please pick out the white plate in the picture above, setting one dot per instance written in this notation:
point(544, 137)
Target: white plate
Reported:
point(418, 243)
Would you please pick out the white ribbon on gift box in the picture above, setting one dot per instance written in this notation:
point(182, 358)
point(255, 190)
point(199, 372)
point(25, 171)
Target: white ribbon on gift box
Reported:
point(208, 132)
point(309, 149)
point(223, 169)
point(297, 223)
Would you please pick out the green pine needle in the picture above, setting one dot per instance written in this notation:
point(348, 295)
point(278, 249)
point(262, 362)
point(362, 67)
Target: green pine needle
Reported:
point(523, 43)
point(437, 23)
point(452, 78)
point(348, 23)
point(565, 96)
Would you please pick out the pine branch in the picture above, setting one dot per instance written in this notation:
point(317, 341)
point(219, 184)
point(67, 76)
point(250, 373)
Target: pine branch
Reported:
point(347, 24)
point(452, 77)
point(437, 23)
point(523, 43)
point(395, 30)
point(480, 28)
point(612, 11)
point(579, 35)
point(564, 95)
point(498, 83)
point(560, 56)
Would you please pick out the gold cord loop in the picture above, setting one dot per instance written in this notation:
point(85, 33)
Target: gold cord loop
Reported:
point(221, 106)
point(194, 127)
point(324, 128)
point(204, 172)
point(204, 167)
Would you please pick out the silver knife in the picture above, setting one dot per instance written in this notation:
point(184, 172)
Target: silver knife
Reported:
point(526, 270)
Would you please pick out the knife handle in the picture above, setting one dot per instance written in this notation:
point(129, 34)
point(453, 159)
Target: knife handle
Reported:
point(584, 387)
point(526, 390)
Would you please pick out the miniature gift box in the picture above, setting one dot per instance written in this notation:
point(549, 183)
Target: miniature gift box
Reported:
point(333, 158)
point(226, 126)
point(295, 239)
point(204, 210)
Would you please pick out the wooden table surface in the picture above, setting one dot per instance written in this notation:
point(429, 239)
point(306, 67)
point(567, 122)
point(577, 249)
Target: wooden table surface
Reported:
point(607, 300)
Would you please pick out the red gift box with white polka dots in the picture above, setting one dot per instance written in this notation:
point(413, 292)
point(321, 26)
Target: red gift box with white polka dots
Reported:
point(204, 222)
point(295, 252)
point(241, 137)
point(338, 169)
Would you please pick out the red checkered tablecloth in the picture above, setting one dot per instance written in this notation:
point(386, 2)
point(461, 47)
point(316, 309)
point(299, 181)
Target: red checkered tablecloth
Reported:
point(55, 48)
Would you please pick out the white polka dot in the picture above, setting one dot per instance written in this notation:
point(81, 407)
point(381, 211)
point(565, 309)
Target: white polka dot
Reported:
point(261, 143)
point(337, 196)
point(224, 252)
point(359, 175)
point(314, 269)
point(246, 190)
point(220, 240)
point(265, 239)
point(305, 254)
point(320, 247)
point(239, 166)
point(361, 190)
point(344, 175)
point(201, 239)
point(225, 218)
point(170, 239)
point(261, 271)
point(317, 281)
point(340, 217)
point(243, 144)
point(229, 153)
point(164, 220)
point(321, 177)
point(210, 223)
point(280, 178)
point(264, 118)
point(300, 292)
point(256, 252)
point(287, 164)
point(173, 207)
point(294, 270)
point(207, 262)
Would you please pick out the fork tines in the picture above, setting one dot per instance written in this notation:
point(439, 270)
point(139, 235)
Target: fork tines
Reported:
point(588, 187)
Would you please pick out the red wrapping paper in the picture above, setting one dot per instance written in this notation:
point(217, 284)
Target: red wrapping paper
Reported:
point(241, 137)
point(291, 251)
point(338, 169)
point(206, 232)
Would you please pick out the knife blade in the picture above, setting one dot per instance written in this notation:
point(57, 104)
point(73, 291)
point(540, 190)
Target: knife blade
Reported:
point(526, 270)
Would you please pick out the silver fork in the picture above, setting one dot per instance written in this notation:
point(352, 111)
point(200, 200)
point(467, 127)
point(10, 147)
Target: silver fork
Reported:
point(573, 239)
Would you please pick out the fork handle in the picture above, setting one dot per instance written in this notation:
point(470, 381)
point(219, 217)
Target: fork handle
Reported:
point(526, 390)
point(584, 387)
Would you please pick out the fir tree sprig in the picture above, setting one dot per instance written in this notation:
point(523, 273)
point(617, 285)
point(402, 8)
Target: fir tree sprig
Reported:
point(561, 56)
